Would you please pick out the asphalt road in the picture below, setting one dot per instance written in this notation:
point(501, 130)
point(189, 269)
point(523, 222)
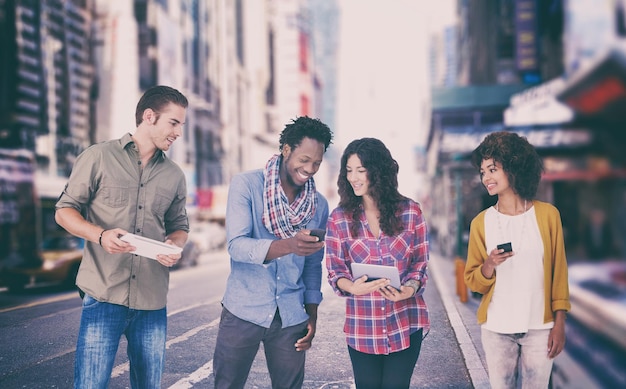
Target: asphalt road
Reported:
point(38, 333)
point(38, 330)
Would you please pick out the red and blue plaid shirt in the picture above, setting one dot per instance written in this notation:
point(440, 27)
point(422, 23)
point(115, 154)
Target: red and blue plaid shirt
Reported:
point(375, 325)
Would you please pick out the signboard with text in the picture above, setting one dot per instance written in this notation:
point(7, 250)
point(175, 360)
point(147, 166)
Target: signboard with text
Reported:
point(526, 42)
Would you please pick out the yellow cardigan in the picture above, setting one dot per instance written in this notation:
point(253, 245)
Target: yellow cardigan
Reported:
point(554, 263)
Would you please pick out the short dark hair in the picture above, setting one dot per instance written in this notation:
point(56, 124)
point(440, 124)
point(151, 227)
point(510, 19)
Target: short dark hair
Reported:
point(520, 161)
point(156, 98)
point(305, 127)
point(382, 173)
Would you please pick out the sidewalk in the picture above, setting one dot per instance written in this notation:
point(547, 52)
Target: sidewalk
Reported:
point(462, 318)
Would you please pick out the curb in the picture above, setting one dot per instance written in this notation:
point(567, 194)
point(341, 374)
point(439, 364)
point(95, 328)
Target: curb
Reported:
point(473, 363)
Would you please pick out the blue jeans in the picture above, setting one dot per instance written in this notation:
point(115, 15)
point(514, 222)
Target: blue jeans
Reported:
point(514, 359)
point(101, 328)
point(393, 371)
point(238, 342)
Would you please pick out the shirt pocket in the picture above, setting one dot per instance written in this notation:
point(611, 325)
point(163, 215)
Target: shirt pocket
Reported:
point(360, 251)
point(162, 202)
point(115, 194)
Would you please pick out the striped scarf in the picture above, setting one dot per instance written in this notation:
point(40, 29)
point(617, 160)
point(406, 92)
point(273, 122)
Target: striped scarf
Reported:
point(279, 217)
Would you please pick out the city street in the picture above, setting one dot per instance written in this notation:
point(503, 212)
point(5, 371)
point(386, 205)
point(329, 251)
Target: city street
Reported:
point(38, 330)
point(431, 80)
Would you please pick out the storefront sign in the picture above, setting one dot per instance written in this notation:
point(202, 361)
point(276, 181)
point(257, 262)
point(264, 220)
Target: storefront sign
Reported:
point(526, 35)
point(539, 93)
point(464, 139)
point(538, 106)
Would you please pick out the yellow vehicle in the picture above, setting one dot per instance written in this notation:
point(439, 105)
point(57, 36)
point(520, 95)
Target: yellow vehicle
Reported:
point(33, 248)
point(61, 257)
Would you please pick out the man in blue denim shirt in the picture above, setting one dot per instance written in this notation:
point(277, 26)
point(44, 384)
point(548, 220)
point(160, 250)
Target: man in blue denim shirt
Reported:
point(273, 290)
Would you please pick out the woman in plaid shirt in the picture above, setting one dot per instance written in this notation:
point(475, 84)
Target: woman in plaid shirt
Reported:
point(375, 224)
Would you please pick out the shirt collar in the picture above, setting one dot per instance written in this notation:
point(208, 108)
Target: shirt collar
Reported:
point(127, 140)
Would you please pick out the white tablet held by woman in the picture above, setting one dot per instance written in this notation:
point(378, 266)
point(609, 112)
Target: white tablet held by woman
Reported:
point(374, 272)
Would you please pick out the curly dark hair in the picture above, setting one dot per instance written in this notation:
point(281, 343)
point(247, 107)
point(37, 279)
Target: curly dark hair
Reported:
point(305, 127)
point(382, 173)
point(156, 98)
point(519, 159)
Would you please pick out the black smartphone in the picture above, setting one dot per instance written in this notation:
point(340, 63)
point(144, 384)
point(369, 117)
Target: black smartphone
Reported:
point(320, 233)
point(506, 246)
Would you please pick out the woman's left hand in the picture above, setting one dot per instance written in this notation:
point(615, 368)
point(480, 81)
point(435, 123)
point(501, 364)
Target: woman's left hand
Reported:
point(391, 293)
point(556, 340)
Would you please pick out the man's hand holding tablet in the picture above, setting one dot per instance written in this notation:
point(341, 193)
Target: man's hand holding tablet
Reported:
point(150, 248)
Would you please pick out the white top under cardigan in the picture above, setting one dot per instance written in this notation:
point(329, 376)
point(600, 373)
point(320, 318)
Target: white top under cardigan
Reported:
point(517, 304)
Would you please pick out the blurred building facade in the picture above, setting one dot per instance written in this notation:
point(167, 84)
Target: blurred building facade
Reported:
point(72, 71)
point(46, 72)
point(524, 66)
point(555, 72)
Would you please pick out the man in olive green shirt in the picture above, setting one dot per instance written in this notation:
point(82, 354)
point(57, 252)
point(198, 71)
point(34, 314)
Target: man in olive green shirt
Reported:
point(127, 185)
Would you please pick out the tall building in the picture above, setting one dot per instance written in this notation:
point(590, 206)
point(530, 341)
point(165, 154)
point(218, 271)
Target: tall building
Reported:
point(325, 16)
point(176, 43)
point(46, 79)
point(72, 71)
point(115, 53)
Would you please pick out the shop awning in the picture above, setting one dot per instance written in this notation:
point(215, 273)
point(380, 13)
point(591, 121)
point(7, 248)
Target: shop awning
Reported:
point(473, 97)
point(538, 105)
point(599, 90)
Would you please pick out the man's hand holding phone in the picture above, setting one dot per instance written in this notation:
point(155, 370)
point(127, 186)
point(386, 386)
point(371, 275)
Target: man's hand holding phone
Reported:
point(320, 233)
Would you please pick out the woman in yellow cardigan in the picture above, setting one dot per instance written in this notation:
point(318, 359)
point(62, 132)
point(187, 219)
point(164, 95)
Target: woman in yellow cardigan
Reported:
point(524, 286)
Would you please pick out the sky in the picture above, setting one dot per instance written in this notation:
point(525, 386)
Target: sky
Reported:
point(383, 87)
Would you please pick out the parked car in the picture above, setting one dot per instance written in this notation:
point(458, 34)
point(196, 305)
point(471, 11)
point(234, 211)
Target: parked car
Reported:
point(61, 256)
point(189, 256)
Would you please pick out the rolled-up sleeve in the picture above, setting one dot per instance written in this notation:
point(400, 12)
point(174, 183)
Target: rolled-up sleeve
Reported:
point(81, 184)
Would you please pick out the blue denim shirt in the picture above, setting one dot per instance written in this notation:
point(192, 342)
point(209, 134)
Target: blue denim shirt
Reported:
point(254, 290)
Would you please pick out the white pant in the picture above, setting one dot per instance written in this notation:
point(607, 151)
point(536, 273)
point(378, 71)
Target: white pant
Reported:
point(517, 360)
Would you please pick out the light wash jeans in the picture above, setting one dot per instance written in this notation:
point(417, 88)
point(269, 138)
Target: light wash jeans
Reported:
point(101, 328)
point(517, 360)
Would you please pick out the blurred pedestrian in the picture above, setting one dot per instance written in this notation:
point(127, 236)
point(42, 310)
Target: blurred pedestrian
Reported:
point(375, 224)
point(598, 235)
point(525, 290)
point(115, 187)
point(273, 290)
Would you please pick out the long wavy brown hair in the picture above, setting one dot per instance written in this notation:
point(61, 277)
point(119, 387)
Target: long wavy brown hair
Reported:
point(382, 173)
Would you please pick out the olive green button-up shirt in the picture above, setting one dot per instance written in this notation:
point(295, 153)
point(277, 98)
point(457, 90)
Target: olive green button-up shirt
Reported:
point(109, 187)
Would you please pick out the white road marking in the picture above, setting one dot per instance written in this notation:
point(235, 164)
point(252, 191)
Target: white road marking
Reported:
point(202, 373)
point(41, 302)
point(124, 367)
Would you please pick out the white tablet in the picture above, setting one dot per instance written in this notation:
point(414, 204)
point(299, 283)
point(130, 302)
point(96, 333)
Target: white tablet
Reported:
point(150, 248)
point(374, 272)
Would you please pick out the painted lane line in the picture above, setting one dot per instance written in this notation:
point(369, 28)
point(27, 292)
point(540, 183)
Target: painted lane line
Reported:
point(124, 367)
